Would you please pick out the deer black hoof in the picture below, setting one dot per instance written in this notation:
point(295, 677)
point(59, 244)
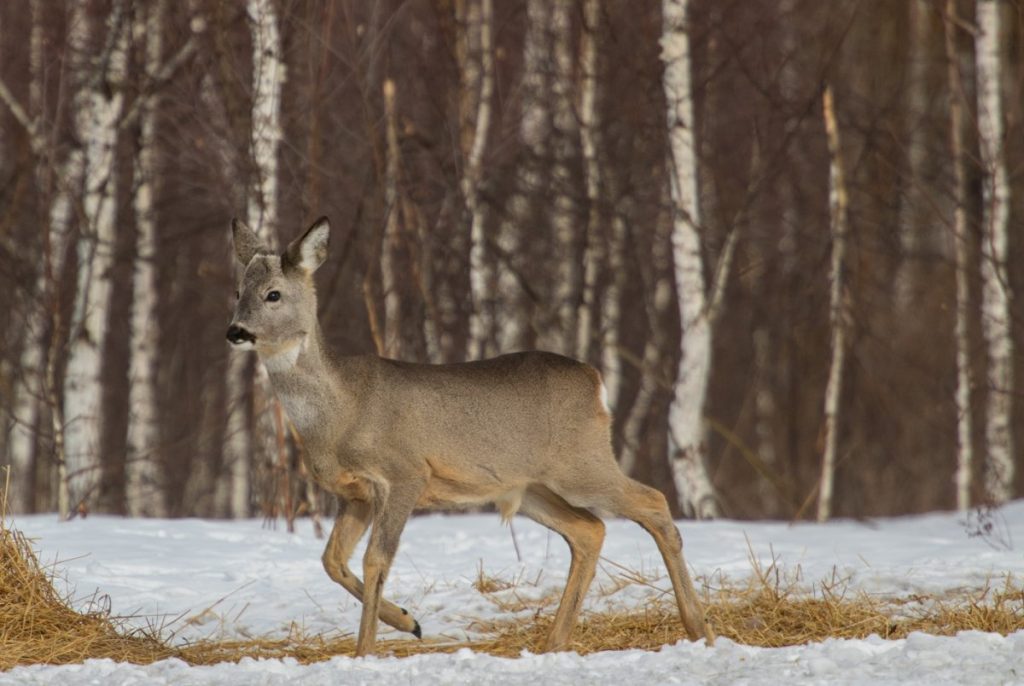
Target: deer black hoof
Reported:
point(416, 630)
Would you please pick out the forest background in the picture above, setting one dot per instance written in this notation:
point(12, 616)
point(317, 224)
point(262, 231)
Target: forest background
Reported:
point(787, 233)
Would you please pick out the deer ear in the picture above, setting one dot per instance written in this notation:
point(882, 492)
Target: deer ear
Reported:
point(247, 243)
point(310, 250)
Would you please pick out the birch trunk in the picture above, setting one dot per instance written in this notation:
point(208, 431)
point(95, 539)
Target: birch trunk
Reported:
point(563, 143)
point(686, 413)
point(996, 312)
point(144, 490)
point(590, 127)
point(268, 75)
point(97, 114)
point(392, 236)
point(534, 128)
point(838, 203)
point(611, 313)
point(965, 429)
point(478, 76)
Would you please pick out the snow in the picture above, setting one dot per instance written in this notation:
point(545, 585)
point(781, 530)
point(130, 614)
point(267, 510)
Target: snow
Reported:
point(240, 579)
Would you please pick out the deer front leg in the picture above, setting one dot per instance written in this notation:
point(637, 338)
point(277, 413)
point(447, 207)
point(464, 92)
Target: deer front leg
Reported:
point(391, 509)
point(350, 525)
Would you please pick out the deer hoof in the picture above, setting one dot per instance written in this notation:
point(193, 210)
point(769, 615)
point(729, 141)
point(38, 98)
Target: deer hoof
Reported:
point(416, 630)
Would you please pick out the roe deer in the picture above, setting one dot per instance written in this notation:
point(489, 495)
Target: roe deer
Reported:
point(528, 432)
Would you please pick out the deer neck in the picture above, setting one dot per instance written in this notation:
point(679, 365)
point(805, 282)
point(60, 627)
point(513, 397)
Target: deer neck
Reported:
point(300, 374)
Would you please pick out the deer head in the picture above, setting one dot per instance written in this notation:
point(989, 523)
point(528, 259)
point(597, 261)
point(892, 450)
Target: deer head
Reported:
point(276, 308)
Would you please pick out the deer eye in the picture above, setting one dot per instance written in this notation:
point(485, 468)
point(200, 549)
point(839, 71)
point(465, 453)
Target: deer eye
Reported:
point(273, 296)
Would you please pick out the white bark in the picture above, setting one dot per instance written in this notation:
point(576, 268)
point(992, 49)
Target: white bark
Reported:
point(233, 491)
point(838, 204)
point(686, 414)
point(268, 76)
point(97, 112)
point(590, 125)
point(996, 311)
point(611, 312)
point(144, 492)
point(392, 237)
point(965, 452)
point(479, 74)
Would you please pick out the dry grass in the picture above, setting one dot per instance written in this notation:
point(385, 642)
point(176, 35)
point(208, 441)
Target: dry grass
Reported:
point(39, 626)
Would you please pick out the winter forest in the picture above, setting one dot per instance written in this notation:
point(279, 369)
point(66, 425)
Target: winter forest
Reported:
point(788, 233)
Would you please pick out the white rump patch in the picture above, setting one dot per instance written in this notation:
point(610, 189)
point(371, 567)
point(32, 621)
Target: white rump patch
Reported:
point(604, 398)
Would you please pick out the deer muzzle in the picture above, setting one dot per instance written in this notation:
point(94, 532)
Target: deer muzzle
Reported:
point(240, 337)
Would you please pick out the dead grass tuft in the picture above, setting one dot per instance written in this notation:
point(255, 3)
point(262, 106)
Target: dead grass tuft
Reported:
point(39, 626)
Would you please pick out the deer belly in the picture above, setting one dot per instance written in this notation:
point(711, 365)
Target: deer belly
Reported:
point(450, 488)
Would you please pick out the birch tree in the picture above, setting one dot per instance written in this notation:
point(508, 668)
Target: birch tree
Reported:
point(688, 443)
point(268, 75)
point(98, 108)
point(534, 128)
point(392, 230)
point(565, 133)
point(838, 203)
point(965, 429)
point(143, 492)
point(477, 66)
point(996, 302)
point(590, 127)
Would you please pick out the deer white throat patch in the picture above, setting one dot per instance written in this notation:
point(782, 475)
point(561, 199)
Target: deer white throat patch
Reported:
point(286, 359)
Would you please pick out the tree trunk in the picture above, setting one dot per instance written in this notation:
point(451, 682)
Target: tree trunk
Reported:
point(686, 414)
point(914, 220)
point(564, 212)
point(658, 287)
point(28, 392)
point(590, 127)
point(268, 75)
point(838, 203)
point(996, 311)
point(144, 488)
point(97, 114)
point(534, 130)
point(965, 451)
point(478, 78)
point(392, 231)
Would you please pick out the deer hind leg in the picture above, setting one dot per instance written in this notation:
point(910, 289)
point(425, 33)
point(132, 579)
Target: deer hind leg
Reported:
point(584, 533)
point(647, 507)
point(349, 527)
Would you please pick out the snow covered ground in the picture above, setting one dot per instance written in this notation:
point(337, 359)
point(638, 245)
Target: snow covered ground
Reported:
point(231, 579)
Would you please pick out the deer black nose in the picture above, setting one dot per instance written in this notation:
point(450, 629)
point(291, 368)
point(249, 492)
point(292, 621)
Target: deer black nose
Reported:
point(237, 335)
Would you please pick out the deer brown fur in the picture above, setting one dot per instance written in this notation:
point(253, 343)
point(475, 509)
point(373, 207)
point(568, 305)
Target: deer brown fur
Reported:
point(528, 432)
